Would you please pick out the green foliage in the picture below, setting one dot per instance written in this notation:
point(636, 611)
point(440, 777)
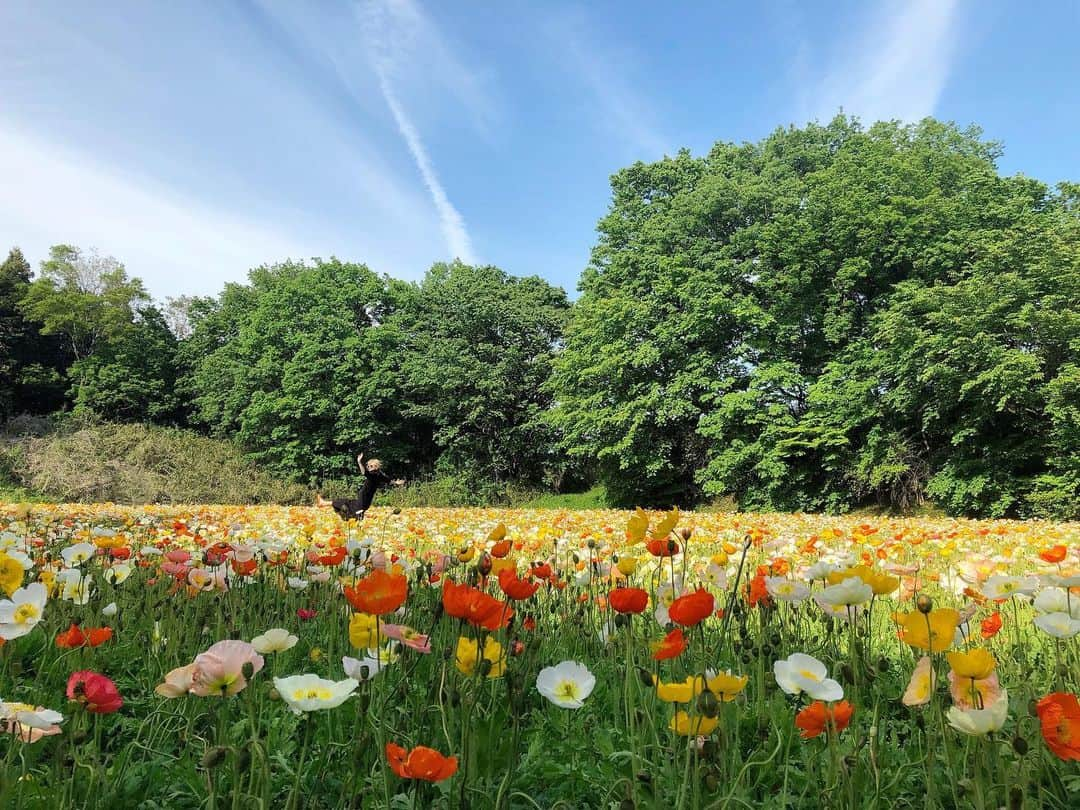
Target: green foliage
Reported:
point(288, 366)
point(831, 317)
point(31, 364)
point(475, 352)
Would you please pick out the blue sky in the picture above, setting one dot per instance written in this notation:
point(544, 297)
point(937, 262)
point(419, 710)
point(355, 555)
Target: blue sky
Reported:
point(195, 140)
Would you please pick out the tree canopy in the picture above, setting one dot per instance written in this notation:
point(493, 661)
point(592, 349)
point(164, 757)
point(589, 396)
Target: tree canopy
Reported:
point(832, 317)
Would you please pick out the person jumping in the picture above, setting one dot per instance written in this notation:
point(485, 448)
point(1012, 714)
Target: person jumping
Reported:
point(354, 508)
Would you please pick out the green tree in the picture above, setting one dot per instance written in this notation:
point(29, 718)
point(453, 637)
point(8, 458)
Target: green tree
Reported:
point(290, 365)
point(31, 364)
point(476, 348)
point(831, 316)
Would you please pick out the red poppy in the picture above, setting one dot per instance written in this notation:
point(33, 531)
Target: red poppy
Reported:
point(478, 608)
point(121, 553)
point(990, 625)
point(1059, 715)
point(420, 763)
point(515, 587)
point(244, 568)
point(662, 547)
point(75, 637)
point(529, 623)
point(629, 600)
point(97, 693)
point(335, 556)
point(692, 608)
point(817, 717)
point(672, 646)
point(1055, 554)
point(306, 614)
point(541, 571)
point(378, 593)
point(500, 549)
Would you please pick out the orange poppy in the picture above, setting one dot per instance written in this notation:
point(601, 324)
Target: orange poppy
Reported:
point(500, 549)
point(990, 625)
point(336, 556)
point(475, 606)
point(515, 587)
point(1059, 715)
point(420, 763)
point(757, 592)
point(245, 567)
point(692, 608)
point(629, 600)
point(378, 593)
point(672, 646)
point(817, 717)
point(1054, 554)
point(75, 637)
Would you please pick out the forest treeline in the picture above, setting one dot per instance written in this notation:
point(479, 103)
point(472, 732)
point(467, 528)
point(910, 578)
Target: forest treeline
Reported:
point(832, 317)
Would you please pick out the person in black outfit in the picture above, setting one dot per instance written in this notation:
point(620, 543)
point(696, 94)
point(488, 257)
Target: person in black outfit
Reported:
point(354, 508)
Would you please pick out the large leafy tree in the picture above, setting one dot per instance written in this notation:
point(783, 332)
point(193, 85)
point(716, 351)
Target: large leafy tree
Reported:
point(31, 364)
point(830, 316)
point(122, 354)
point(291, 366)
point(476, 351)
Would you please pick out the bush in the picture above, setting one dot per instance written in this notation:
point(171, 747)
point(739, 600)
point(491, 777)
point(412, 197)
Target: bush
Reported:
point(89, 462)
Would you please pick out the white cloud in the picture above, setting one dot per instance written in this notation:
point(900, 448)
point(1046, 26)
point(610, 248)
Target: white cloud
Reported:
point(602, 67)
point(176, 245)
point(895, 66)
point(396, 32)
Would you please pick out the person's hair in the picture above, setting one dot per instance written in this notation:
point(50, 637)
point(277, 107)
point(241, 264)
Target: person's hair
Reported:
point(373, 464)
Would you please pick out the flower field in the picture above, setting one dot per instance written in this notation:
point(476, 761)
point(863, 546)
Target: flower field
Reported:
point(243, 657)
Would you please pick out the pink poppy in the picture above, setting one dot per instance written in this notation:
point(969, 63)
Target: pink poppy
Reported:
point(177, 683)
point(306, 614)
point(407, 636)
point(988, 690)
point(178, 555)
point(220, 670)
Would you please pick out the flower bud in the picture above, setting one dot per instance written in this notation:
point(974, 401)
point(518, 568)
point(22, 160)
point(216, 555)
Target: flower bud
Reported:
point(645, 677)
point(685, 533)
point(707, 704)
point(248, 670)
point(1019, 745)
point(924, 604)
point(214, 756)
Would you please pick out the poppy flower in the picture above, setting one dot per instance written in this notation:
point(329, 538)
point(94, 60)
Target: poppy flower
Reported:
point(990, 625)
point(817, 717)
point(662, 547)
point(1059, 716)
point(933, 631)
point(672, 646)
point(541, 571)
point(422, 763)
point(629, 600)
point(500, 549)
point(515, 587)
point(97, 693)
point(335, 556)
point(757, 592)
point(692, 608)
point(1055, 554)
point(478, 608)
point(75, 637)
point(378, 593)
point(974, 664)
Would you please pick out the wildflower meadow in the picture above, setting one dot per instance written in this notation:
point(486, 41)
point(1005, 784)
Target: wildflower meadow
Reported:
point(273, 657)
